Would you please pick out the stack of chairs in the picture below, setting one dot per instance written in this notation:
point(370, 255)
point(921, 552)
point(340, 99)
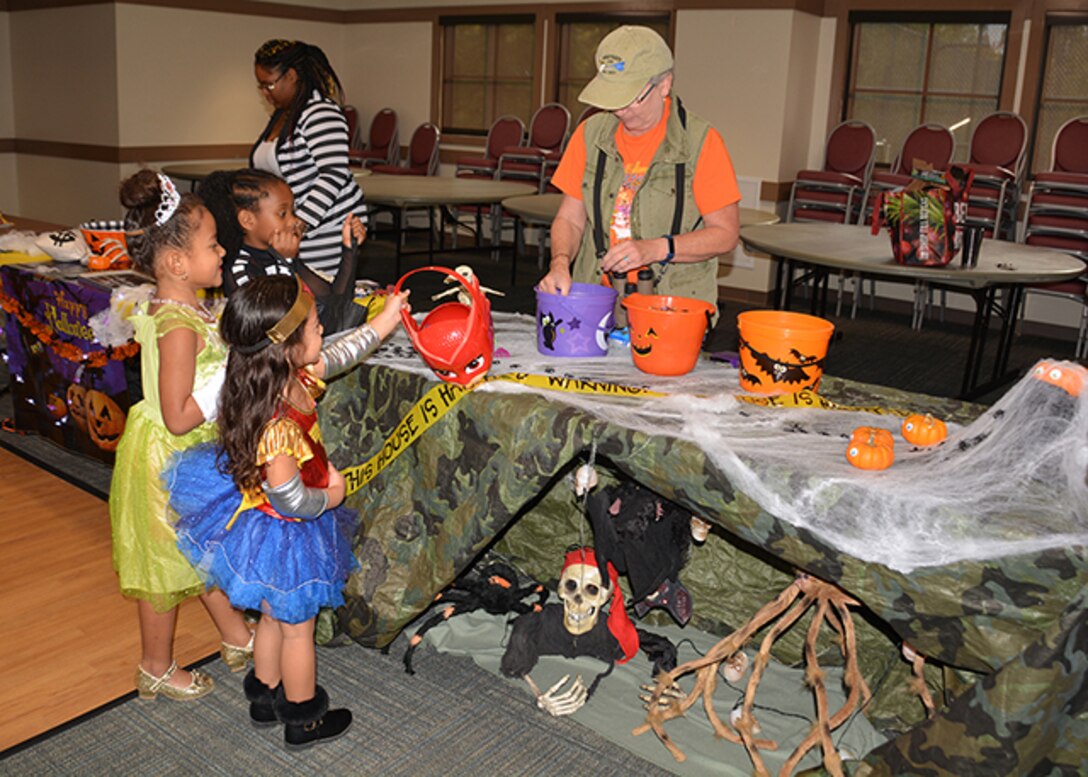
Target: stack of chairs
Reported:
point(997, 156)
point(548, 133)
point(836, 191)
point(382, 147)
point(1056, 216)
point(506, 132)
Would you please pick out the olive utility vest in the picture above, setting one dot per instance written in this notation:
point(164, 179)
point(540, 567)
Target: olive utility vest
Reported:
point(663, 205)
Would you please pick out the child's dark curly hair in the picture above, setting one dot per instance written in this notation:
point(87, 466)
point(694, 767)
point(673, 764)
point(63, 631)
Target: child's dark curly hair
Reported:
point(141, 195)
point(254, 383)
point(313, 69)
point(226, 192)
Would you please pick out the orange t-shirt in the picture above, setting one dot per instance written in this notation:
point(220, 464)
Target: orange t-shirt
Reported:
point(714, 185)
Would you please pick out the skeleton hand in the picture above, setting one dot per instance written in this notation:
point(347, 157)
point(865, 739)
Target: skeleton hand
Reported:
point(557, 704)
point(670, 694)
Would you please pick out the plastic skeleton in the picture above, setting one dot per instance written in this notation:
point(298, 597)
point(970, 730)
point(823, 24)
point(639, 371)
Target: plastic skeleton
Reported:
point(462, 294)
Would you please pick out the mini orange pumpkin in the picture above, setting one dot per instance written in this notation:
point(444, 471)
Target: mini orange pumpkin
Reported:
point(882, 436)
point(105, 420)
point(870, 453)
point(923, 429)
point(1068, 377)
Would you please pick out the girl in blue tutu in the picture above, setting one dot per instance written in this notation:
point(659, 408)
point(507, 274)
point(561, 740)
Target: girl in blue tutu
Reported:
point(261, 513)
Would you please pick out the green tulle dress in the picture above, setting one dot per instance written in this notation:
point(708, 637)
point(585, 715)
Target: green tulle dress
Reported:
point(145, 552)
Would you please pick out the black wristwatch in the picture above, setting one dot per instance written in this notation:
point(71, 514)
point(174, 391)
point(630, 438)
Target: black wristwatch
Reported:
point(672, 250)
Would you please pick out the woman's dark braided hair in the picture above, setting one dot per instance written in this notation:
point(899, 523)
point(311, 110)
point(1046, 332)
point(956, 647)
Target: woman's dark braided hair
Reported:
point(226, 192)
point(141, 194)
point(254, 382)
point(313, 69)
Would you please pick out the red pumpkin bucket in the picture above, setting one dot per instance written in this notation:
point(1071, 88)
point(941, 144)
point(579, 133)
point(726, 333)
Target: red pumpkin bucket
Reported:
point(456, 340)
point(781, 352)
point(666, 331)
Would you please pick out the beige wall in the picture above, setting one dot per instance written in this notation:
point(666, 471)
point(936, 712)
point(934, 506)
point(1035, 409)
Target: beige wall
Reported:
point(388, 65)
point(9, 185)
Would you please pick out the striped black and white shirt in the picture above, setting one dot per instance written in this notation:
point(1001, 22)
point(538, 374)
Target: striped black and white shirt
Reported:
point(253, 263)
point(314, 162)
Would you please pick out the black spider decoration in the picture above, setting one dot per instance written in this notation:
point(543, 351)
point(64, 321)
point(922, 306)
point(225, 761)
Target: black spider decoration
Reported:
point(493, 589)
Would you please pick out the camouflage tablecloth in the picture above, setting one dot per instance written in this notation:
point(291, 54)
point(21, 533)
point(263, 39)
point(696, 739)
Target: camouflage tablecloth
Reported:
point(1011, 634)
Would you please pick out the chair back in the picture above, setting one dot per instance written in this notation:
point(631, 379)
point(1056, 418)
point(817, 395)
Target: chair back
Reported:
point(383, 134)
point(1070, 153)
point(1000, 140)
point(851, 149)
point(549, 126)
point(588, 111)
point(355, 137)
point(423, 149)
point(932, 143)
point(505, 131)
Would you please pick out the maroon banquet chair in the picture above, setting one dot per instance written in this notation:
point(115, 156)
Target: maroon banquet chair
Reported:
point(834, 193)
point(997, 156)
point(383, 147)
point(505, 132)
point(1056, 216)
point(422, 154)
point(931, 143)
point(547, 135)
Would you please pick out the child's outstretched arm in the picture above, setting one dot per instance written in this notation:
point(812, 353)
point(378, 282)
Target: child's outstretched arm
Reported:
point(177, 371)
point(292, 498)
point(359, 343)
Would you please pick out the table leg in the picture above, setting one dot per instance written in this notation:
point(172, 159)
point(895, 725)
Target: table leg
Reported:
point(984, 300)
point(519, 236)
point(1010, 311)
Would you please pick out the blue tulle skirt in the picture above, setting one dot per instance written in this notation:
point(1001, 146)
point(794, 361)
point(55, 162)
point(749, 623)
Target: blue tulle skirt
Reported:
point(286, 569)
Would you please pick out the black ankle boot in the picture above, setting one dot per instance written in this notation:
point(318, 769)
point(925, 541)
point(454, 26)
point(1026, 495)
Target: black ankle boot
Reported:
point(262, 700)
point(310, 721)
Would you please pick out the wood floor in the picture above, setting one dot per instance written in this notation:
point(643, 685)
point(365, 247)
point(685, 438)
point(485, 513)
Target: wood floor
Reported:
point(69, 641)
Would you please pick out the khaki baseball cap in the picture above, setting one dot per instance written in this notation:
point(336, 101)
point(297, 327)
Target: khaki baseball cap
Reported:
point(627, 58)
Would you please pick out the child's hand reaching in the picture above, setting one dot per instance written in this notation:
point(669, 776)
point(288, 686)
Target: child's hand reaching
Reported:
point(337, 488)
point(285, 242)
point(354, 227)
point(386, 321)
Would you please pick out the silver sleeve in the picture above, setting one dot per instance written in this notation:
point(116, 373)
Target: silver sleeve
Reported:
point(347, 351)
point(295, 500)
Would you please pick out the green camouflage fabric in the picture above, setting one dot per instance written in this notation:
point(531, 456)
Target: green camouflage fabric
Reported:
point(1006, 641)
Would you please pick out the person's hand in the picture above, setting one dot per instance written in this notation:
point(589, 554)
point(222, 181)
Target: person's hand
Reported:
point(337, 488)
point(354, 226)
point(631, 255)
point(557, 281)
point(388, 319)
point(285, 242)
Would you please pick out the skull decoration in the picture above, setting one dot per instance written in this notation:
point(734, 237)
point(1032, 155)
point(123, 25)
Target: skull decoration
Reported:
point(583, 594)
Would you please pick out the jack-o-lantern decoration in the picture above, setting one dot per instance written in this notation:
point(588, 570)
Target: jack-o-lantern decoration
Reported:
point(881, 436)
point(923, 429)
point(1067, 376)
point(105, 420)
point(76, 397)
point(870, 452)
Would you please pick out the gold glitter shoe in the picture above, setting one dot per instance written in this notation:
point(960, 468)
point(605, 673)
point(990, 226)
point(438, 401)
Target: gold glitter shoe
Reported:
point(237, 658)
point(150, 686)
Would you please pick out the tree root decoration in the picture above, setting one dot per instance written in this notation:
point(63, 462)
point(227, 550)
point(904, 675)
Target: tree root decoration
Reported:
point(831, 606)
point(918, 685)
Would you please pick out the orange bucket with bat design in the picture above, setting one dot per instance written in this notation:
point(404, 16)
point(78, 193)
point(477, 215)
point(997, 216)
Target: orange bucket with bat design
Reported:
point(781, 352)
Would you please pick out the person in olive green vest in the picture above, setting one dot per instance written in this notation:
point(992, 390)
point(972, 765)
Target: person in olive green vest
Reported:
point(646, 185)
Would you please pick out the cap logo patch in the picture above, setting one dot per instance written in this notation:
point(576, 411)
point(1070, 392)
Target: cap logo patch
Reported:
point(611, 64)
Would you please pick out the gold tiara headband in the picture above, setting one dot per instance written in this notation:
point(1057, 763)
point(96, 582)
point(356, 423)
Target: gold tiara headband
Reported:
point(283, 328)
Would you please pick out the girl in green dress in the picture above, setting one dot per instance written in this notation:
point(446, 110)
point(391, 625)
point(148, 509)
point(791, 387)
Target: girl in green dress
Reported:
point(172, 238)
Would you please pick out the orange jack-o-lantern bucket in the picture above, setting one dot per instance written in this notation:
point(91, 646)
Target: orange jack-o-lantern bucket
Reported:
point(666, 331)
point(456, 340)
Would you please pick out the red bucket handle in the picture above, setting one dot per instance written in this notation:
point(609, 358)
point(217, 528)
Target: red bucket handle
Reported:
point(410, 325)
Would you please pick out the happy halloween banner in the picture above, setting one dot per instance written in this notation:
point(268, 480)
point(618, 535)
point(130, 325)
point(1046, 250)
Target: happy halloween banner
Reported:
point(64, 385)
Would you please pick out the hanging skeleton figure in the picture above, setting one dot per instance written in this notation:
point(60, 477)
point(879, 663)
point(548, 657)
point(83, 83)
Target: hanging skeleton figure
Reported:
point(647, 538)
point(493, 589)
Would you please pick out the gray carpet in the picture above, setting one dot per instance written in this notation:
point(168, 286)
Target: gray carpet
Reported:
point(451, 718)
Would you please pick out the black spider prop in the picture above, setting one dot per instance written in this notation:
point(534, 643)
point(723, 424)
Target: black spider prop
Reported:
point(493, 589)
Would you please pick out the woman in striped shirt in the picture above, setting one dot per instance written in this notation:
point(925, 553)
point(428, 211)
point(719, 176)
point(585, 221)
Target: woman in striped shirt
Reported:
point(306, 143)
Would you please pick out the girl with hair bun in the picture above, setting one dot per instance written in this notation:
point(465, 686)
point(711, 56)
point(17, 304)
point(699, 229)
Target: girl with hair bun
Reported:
point(306, 143)
point(172, 238)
